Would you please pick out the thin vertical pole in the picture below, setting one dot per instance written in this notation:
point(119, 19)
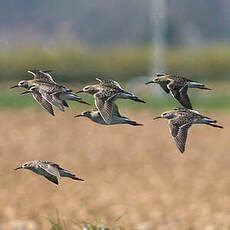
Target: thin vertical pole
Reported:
point(158, 22)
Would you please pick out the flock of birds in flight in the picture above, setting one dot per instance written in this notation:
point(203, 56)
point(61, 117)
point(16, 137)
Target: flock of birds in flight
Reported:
point(48, 94)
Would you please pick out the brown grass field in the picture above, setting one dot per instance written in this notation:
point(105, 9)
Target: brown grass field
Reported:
point(135, 173)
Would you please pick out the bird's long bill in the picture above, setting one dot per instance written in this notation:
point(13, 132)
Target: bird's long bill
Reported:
point(18, 168)
point(79, 115)
point(80, 91)
point(15, 86)
point(149, 82)
point(25, 92)
point(157, 117)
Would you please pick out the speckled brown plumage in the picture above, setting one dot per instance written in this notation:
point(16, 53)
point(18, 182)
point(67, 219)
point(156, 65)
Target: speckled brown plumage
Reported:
point(105, 93)
point(49, 170)
point(177, 86)
point(180, 120)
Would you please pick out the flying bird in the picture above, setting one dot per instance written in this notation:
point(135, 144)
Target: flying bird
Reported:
point(95, 116)
point(49, 170)
point(52, 92)
point(105, 93)
point(180, 120)
point(42, 101)
point(177, 86)
point(55, 94)
point(39, 76)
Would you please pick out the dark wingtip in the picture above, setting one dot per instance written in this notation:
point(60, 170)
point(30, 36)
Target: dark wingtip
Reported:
point(137, 124)
point(139, 100)
point(83, 102)
point(216, 126)
point(205, 88)
point(181, 150)
point(77, 178)
point(55, 181)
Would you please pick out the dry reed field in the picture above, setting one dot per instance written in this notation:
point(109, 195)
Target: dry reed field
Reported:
point(135, 173)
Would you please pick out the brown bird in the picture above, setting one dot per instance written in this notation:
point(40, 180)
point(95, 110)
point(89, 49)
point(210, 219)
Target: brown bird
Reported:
point(177, 86)
point(43, 80)
point(180, 120)
point(54, 94)
point(49, 170)
point(42, 101)
point(105, 93)
point(95, 116)
point(39, 76)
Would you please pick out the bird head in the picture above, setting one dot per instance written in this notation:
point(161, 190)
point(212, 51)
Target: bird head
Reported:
point(167, 115)
point(157, 79)
point(91, 89)
point(23, 84)
point(84, 114)
point(26, 165)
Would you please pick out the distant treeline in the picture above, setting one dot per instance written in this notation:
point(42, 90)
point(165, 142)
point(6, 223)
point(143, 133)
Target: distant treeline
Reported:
point(78, 63)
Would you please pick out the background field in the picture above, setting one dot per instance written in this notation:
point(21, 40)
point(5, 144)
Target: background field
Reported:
point(135, 176)
point(135, 173)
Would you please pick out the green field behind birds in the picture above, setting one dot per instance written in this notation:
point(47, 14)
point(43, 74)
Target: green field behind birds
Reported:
point(76, 65)
point(217, 98)
point(79, 63)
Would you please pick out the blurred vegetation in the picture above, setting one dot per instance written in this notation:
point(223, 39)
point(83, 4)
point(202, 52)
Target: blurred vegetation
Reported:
point(59, 224)
point(201, 101)
point(74, 62)
point(85, 226)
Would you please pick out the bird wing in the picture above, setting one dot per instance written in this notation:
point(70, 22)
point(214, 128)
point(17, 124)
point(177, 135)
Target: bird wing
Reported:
point(108, 82)
point(53, 99)
point(179, 133)
point(50, 88)
point(44, 103)
point(164, 86)
point(50, 168)
point(42, 75)
point(52, 92)
point(51, 178)
point(50, 171)
point(180, 94)
point(105, 107)
point(65, 103)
